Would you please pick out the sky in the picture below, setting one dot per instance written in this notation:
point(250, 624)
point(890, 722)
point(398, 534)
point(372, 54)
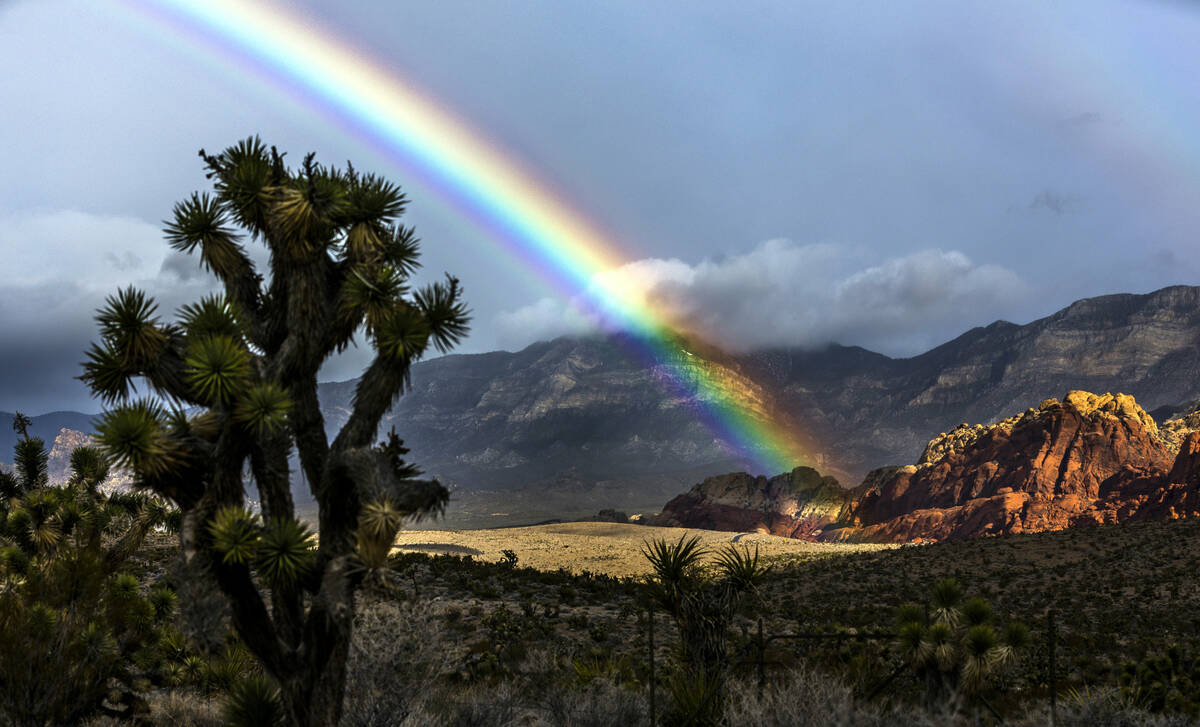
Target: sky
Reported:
point(783, 174)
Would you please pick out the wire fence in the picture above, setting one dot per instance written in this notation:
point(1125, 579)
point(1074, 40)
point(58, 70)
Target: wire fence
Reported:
point(758, 659)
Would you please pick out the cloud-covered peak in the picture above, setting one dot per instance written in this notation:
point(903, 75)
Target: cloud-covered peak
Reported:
point(784, 294)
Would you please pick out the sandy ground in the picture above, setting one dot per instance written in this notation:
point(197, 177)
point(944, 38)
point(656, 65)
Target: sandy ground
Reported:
point(598, 547)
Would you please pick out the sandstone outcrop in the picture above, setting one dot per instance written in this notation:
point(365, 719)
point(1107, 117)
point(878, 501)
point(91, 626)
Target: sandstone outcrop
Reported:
point(798, 504)
point(1085, 460)
point(58, 465)
point(1177, 428)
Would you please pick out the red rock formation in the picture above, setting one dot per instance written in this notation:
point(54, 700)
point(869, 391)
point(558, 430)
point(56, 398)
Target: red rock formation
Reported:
point(1037, 471)
point(1083, 461)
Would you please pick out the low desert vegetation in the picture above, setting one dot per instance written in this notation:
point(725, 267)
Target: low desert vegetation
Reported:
point(451, 639)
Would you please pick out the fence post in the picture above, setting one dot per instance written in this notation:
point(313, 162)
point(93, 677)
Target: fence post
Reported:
point(1053, 672)
point(762, 650)
point(653, 676)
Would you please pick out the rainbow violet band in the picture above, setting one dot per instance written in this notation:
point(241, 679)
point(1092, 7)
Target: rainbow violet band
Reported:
point(479, 180)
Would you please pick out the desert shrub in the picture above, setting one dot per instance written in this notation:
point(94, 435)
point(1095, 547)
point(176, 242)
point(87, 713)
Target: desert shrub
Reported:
point(805, 698)
point(77, 632)
point(1164, 682)
point(397, 655)
point(801, 698)
point(184, 709)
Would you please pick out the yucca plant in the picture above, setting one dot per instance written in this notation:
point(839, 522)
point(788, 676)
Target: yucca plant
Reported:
point(254, 702)
point(703, 603)
point(239, 372)
point(954, 645)
point(30, 461)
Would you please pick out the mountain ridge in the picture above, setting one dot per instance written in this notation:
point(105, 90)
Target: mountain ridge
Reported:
point(584, 418)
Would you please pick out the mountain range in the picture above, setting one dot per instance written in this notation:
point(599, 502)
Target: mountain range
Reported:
point(565, 427)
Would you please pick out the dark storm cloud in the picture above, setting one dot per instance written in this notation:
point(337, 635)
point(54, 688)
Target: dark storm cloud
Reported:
point(183, 266)
point(61, 265)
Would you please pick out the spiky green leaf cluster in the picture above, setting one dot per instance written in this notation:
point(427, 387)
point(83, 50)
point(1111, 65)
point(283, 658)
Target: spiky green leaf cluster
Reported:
point(263, 409)
point(286, 552)
point(201, 221)
point(132, 339)
point(445, 312)
point(31, 463)
point(236, 533)
point(89, 466)
point(372, 293)
point(402, 335)
point(212, 315)
point(218, 369)
point(378, 525)
point(132, 435)
point(254, 702)
point(953, 641)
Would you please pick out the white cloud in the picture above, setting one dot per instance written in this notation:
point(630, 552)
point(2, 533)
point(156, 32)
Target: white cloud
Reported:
point(784, 294)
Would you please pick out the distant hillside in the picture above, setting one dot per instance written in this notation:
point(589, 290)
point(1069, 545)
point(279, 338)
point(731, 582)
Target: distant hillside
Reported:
point(580, 411)
point(576, 424)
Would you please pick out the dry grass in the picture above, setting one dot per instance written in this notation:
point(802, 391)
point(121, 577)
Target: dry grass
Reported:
point(609, 548)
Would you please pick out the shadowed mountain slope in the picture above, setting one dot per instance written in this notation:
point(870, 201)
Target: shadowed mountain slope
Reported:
point(582, 411)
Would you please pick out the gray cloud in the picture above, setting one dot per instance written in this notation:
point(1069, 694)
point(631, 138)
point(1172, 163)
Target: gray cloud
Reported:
point(784, 294)
point(1054, 203)
point(183, 266)
point(677, 133)
point(60, 265)
point(1082, 120)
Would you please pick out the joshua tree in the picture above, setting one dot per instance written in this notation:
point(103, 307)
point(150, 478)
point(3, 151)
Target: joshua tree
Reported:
point(21, 423)
point(339, 265)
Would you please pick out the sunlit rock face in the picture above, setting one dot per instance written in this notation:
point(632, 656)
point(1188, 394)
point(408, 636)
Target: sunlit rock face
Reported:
point(1086, 460)
point(58, 465)
point(798, 504)
point(1045, 469)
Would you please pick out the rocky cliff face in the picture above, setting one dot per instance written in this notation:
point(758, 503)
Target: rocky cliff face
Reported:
point(58, 465)
point(1085, 460)
point(1042, 470)
point(799, 504)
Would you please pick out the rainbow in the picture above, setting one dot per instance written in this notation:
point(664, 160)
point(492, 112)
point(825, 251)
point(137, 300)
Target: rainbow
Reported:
point(480, 181)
